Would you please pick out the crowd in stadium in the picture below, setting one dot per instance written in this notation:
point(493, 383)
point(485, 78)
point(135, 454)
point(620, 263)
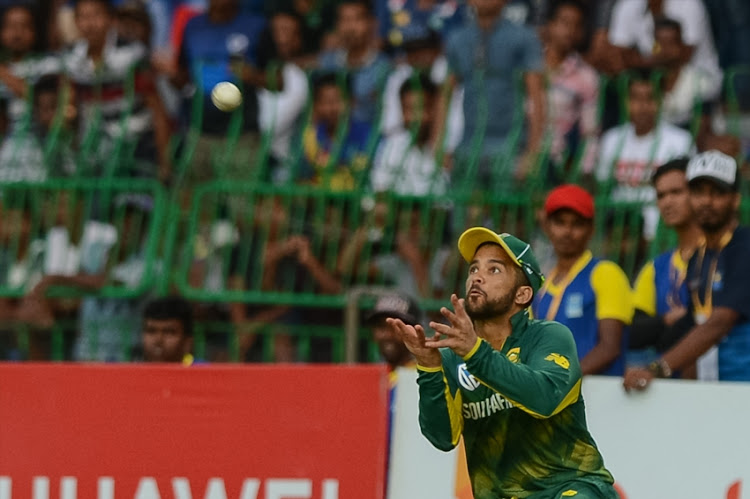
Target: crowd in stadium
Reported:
point(370, 134)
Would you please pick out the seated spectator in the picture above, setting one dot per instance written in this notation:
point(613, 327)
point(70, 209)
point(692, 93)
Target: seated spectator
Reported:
point(632, 30)
point(423, 53)
point(222, 45)
point(686, 86)
point(399, 21)
point(43, 151)
point(279, 111)
point(167, 331)
point(589, 295)
point(334, 144)
point(630, 153)
point(359, 55)
point(406, 161)
point(21, 65)
point(660, 293)
point(119, 107)
point(388, 306)
point(487, 55)
point(572, 94)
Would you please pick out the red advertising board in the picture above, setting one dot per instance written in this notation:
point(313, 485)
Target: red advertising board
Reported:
point(249, 432)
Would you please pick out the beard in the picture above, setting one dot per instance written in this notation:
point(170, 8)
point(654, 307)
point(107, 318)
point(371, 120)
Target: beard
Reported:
point(484, 308)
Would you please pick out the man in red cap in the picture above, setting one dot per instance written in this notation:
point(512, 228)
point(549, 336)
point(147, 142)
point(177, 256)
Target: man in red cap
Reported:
point(589, 295)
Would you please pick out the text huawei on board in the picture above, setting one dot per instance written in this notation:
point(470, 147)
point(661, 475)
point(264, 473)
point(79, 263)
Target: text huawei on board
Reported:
point(273, 488)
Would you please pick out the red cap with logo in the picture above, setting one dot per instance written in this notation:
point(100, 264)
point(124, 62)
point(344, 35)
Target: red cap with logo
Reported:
point(570, 197)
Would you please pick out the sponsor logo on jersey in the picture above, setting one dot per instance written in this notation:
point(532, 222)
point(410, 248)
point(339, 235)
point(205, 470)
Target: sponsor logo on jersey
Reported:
point(513, 354)
point(485, 408)
point(466, 380)
point(558, 359)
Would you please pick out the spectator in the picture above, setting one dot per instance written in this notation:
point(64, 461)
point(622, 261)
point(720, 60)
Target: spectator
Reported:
point(359, 56)
point(21, 66)
point(105, 69)
point(630, 152)
point(335, 144)
point(392, 349)
point(486, 55)
point(601, 54)
point(44, 150)
point(399, 21)
point(423, 53)
point(573, 92)
point(167, 331)
point(406, 161)
point(717, 279)
point(686, 87)
point(319, 20)
point(632, 29)
point(660, 293)
point(222, 45)
point(590, 296)
point(279, 111)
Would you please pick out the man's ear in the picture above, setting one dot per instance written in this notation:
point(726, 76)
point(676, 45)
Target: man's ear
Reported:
point(524, 295)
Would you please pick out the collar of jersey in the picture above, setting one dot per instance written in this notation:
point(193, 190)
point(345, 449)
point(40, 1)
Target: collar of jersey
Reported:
point(554, 289)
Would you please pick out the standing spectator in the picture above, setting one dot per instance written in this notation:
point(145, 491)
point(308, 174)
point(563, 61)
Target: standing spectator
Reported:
point(573, 91)
point(359, 56)
point(21, 66)
point(279, 111)
point(335, 143)
point(686, 86)
point(167, 331)
point(590, 296)
point(717, 279)
point(406, 160)
point(632, 29)
point(631, 152)
point(222, 45)
point(487, 55)
point(116, 94)
point(660, 293)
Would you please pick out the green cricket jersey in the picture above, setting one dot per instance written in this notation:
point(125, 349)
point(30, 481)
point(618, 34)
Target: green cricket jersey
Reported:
point(520, 411)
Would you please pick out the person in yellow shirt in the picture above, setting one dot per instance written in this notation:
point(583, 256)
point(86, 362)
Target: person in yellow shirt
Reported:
point(589, 295)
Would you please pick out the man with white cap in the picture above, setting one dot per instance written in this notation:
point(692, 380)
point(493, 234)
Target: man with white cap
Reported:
point(717, 277)
point(510, 385)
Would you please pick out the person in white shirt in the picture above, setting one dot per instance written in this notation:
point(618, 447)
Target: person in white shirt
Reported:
point(279, 111)
point(630, 153)
point(687, 86)
point(406, 162)
point(422, 52)
point(632, 29)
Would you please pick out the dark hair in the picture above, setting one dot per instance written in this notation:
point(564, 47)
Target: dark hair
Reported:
point(171, 308)
point(419, 82)
point(105, 3)
point(668, 23)
point(46, 84)
point(674, 165)
point(642, 75)
point(341, 80)
point(361, 3)
point(557, 6)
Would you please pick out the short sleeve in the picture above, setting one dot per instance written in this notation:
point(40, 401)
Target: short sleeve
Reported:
point(644, 291)
point(614, 298)
point(735, 292)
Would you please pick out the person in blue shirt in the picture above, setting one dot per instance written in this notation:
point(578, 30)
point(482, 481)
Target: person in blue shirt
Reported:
point(660, 293)
point(400, 20)
point(589, 295)
point(717, 278)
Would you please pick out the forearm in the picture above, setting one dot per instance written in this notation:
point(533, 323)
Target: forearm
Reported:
point(326, 281)
point(599, 358)
point(539, 392)
point(536, 113)
point(439, 413)
point(697, 342)
point(15, 84)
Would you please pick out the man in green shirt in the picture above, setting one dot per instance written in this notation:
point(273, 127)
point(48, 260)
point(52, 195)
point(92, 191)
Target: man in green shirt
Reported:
point(509, 384)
